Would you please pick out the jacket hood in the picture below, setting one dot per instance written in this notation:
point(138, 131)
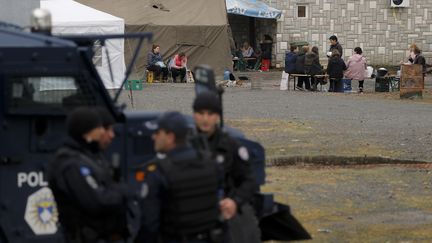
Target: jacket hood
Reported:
point(334, 59)
point(311, 54)
point(357, 57)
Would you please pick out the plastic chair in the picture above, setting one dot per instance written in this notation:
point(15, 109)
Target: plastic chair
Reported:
point(241, 64)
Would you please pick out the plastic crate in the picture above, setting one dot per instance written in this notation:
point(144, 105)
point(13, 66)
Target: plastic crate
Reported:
point(344, 86)
point(133, 85)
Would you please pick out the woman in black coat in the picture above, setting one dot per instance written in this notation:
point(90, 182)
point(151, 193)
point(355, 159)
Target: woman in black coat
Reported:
point(300, 69)
point(312, 65)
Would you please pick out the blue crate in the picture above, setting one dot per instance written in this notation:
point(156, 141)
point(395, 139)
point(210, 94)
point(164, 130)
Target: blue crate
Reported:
point(344, 86)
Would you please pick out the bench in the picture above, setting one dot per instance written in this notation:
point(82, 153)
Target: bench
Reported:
point(294, 77)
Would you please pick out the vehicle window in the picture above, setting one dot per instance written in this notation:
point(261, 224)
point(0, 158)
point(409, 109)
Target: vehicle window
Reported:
point(45, 93)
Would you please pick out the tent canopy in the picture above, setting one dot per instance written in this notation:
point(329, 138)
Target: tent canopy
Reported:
point(72, 18)
point(198, 28)
point(252, 8)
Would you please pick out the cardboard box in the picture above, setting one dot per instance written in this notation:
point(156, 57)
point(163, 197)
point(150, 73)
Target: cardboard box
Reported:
point(412, 81)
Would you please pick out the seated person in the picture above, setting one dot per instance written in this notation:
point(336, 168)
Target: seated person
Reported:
point(248, 52)
point(290, 60)
point(155, 63)
point(312, 66)
point(178, 66)
point(300, 69)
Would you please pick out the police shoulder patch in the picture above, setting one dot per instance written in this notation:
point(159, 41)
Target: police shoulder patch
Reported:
point(92, 182)
point(151, 167)
point(85, 171)
point(243, 153)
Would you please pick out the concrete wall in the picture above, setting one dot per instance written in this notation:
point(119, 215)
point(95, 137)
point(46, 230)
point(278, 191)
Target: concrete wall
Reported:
point(17, 12)
point(384, 33)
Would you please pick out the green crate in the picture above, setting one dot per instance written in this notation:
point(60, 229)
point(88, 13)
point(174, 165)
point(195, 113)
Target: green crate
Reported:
point(134, 85)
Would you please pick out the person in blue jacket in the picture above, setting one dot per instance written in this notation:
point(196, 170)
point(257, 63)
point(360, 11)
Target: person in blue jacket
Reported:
point(290, 60)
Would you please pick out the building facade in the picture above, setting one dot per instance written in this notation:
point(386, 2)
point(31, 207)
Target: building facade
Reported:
point(383, 32)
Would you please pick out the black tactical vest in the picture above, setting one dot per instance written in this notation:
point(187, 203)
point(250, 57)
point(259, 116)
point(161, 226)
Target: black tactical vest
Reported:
point(191, 204)
point(73, 218)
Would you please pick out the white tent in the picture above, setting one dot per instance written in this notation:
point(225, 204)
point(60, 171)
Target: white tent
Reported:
point(72, 18)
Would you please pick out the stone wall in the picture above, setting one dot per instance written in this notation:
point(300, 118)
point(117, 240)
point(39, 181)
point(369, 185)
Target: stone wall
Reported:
point(384, 33)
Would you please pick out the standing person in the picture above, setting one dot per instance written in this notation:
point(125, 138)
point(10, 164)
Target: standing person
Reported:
point(155, 63)
point(239, 183)
point(92, 207)
point(300, 69)
point(107, 138)
point(290, 60)
point(411, 51)
point(179, 193)
point(356, 67)
point(335, 69)
point(178, 66)
point(334, 45)
point(313, 66)
point(417, 58)
point(107, 124)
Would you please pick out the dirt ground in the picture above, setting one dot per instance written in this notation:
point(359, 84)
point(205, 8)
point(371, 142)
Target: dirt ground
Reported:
point(361, 203)
point(358, 204)
point(367, 203)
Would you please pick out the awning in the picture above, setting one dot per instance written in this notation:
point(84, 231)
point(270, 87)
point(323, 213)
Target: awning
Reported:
point(252, 8)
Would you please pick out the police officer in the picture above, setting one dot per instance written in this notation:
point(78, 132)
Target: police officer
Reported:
point(178, 189)
point(107, 123)
point(92, 208)
point(106, 139)
point(239, 183)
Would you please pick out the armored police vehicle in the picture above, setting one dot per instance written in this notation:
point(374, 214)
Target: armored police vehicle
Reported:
point(42, 78)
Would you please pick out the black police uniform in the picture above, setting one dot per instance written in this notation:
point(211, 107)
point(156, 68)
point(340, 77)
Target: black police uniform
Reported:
point(91, 206)
point(239, 185)
point(179, 198)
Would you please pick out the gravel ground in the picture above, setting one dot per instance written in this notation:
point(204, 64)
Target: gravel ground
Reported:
point(293, 123)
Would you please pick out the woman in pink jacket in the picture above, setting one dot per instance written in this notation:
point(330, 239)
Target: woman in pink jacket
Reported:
point(178, 67)
point(356, 67)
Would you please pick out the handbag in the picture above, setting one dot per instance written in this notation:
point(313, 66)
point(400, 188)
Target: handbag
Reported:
point(160, 64)
point(366, 73)
point(284, 81)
